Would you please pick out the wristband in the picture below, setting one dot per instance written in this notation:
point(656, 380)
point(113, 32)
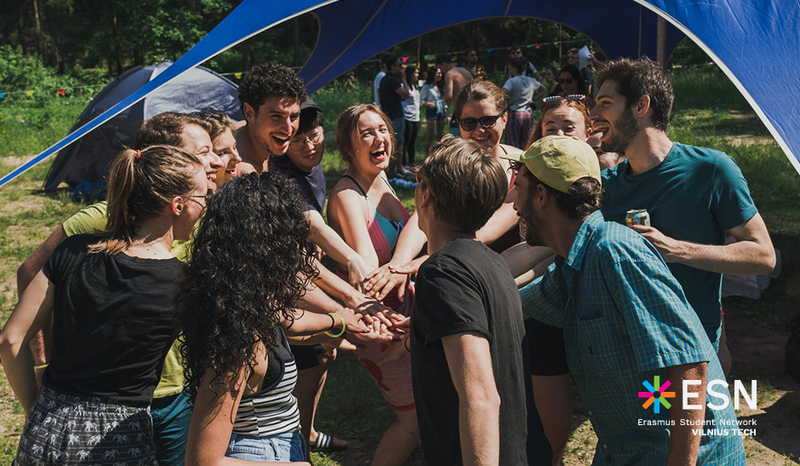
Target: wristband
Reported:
point(344, 326)
point(40, 367)
point(405, 344)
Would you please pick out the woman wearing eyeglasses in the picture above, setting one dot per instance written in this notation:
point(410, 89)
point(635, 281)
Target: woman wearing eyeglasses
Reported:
point(111, 298)
point(481, 109)
point(365, 211)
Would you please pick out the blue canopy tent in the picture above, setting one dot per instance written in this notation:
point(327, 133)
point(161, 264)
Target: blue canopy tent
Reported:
point(753, 41)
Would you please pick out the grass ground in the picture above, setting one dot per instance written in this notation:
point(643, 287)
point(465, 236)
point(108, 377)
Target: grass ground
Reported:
point(352, 407)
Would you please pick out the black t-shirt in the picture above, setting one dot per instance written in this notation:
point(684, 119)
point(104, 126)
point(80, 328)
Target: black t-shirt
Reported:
point(465, 287)
point(113, 321)
point(311, 184)
point(391, 104)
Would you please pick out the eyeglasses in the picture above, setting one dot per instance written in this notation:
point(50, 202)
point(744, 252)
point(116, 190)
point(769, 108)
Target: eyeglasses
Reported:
point(469, 124)
point(571, 97)
point(205, 199)
point(566, 80)
point(314, 139)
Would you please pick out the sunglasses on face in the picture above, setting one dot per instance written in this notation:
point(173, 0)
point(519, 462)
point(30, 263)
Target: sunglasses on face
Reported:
point(566, 80)
point(469, 124)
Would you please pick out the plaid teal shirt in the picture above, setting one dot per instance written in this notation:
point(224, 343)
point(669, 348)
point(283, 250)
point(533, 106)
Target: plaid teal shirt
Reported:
point(626, 320)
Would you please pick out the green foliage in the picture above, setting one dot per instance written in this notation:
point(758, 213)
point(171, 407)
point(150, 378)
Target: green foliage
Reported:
point(706, 86)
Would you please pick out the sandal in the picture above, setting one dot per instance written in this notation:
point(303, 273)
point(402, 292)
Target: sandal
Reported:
point(327, 443)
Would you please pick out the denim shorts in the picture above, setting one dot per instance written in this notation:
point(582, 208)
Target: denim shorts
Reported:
point(290, 446)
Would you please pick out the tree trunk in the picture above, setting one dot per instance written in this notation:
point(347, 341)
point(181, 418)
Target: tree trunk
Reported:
point(39, 37)
point(21, 26)
point(117, 50)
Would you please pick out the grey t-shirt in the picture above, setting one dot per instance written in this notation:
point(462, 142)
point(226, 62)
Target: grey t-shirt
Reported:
point(520, 92)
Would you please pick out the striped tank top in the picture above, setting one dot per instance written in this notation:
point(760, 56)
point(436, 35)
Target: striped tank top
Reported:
point(273, 409)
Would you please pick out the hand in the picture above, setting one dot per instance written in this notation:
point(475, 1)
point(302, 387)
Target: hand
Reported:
point(382, 281)
point(354, 321)
point(667, 247)
point(397, 351)
point(371, 308)
point(357, 270)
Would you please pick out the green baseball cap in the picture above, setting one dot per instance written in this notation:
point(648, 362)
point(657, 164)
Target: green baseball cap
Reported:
point(559, 161)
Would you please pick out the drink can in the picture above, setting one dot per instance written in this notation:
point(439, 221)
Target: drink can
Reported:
point(637, 217)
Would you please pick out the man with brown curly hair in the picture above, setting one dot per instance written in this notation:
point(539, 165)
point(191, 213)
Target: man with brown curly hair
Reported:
point(271, 94)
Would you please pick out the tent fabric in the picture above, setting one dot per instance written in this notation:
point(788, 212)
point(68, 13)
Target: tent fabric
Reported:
point(200, 89)
point(753, 41)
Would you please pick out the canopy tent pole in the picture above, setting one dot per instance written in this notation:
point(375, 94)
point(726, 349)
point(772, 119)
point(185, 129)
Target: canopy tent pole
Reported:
point(661, 42)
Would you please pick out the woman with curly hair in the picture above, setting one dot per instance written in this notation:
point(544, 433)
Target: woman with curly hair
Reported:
point(111, 299)
point(249, 266)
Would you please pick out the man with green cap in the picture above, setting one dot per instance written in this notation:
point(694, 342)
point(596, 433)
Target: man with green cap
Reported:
point(628, 328)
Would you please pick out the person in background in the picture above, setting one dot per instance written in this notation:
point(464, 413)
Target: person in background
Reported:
point(551, 81)
point(411, 106)
point(573, 58)
point(521, 92)
point(433, 102)
point(572, 83)
point(302, 165)
point(606, 159)
point(111, 299)
point(393, 91)
point(561, 116)
point(455, 78)
point(515, 53)
point(477, 71)
point(376, 84)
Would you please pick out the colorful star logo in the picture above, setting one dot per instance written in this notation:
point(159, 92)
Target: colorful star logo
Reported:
point(656, 392)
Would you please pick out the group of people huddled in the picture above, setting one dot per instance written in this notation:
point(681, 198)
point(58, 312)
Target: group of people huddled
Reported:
point(189, 320)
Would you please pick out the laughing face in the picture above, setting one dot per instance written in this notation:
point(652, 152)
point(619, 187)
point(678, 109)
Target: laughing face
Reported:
point(564, 121)
point(274, 124)
point(614, 119)
point(372, 144)
point(225, 147)
point(487, 138)
point(197, 141)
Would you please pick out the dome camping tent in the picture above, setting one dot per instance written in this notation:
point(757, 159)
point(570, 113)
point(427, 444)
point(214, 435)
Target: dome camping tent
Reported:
point(200, 89)
point(755, 42)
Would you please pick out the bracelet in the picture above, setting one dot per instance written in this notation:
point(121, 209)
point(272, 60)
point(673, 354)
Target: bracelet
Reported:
point(333, 322)
point(344, 326)
point(405, 344)
point(41, 366)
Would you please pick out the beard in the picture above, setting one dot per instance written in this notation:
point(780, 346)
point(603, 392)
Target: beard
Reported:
point(622, 134)
point(533, 234)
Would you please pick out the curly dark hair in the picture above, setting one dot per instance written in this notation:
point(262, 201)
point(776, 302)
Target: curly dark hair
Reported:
point(635, 78)
point(270, 79)
point(249, 265)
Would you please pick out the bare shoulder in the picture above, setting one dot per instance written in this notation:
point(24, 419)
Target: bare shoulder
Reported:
point(243, 168)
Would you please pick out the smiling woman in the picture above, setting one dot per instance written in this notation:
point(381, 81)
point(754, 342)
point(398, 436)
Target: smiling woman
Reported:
point(365, 211)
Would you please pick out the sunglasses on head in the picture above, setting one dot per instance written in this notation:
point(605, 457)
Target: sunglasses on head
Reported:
point(556, 98)
point(566, 80)
point(469, 124)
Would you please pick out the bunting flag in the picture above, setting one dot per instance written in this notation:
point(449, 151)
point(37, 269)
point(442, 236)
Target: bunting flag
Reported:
point(61, 92)
point(29, 93)
point(427, 56)
point(489, 50)
point(238, 75)
point(90, 88)
point(405, 59)
point(2, 94)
